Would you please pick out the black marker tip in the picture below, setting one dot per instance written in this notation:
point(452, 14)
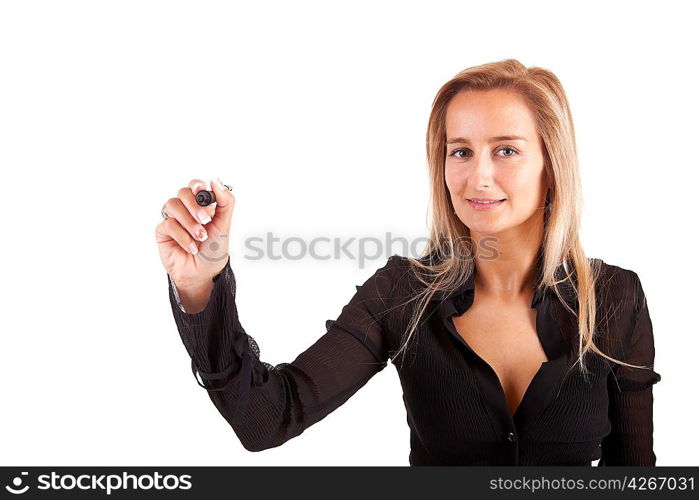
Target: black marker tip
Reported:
point(205, 198)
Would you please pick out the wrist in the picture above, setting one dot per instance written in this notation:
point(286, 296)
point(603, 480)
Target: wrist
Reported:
point(194, 298)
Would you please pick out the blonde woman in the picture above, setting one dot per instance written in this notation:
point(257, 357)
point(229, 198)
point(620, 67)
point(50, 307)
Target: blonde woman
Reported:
point(512, 347)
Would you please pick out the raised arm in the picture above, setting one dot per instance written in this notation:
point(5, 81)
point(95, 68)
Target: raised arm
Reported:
point(268, 405)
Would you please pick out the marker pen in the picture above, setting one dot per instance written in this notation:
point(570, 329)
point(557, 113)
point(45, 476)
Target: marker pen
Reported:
point(205, 198)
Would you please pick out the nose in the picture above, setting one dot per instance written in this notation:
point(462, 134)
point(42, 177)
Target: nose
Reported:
point(481, 172)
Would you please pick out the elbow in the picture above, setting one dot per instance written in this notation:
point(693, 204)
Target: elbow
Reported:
point(252, 446)
point(253, 443)
point(256, 443)
point(256, 446)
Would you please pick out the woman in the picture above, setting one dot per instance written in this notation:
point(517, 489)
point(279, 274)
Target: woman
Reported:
point(491, 330)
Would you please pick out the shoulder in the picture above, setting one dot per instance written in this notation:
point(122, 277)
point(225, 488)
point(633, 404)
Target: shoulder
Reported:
point(384, 280)
point(383, 292)
point(396, 279)
point(619, 294)
point(616, 273)
point(396, 272)
point(397, 267)
point(402, 270)
point(619, 282)
point(392, 268)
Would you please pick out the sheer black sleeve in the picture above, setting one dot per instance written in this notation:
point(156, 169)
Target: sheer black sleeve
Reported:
point(631, 392)
point(268, 405)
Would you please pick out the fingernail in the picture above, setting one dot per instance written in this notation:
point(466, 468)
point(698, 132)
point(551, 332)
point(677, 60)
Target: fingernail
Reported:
point(199, 187)
point(193, 248)
point(220, 183)
point(203, 216)
point(201, 234)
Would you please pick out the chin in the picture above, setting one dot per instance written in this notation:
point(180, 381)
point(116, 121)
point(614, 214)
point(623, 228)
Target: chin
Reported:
point(488, 232)
point(485, 228)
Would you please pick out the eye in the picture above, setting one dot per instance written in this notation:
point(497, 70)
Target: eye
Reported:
point(514, 151)
point(456, 151)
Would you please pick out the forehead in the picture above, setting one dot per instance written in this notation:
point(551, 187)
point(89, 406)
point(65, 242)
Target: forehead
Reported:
point(489, 113)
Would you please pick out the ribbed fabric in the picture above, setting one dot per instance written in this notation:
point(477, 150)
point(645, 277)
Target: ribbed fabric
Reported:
point(455, 406)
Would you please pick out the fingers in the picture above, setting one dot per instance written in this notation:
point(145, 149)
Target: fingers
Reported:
point(225, 202)
point(171, 229)
point(186, 218)
point(187, 195)
point(178, 212)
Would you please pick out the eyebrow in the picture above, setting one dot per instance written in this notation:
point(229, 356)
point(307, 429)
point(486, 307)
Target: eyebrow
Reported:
point(464, 140)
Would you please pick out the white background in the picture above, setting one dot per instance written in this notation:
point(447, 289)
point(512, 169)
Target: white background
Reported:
point(316, 113)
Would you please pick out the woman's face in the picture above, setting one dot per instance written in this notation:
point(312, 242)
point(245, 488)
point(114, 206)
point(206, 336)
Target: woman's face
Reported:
point(481, 164)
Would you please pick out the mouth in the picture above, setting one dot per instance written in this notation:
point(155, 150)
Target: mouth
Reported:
point(484, 203)
point(484, 200)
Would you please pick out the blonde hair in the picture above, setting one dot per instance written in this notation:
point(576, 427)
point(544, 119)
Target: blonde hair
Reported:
point(450, 238)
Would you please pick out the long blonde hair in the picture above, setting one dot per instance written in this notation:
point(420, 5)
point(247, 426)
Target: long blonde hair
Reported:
point(450, 238)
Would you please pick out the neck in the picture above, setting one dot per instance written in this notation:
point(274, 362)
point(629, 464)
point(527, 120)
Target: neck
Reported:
point(506, 262)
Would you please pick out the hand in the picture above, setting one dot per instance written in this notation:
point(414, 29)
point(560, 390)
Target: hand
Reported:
point(194, 251)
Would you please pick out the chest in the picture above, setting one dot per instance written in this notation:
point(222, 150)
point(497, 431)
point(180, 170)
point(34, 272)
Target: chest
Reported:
point(505, 337)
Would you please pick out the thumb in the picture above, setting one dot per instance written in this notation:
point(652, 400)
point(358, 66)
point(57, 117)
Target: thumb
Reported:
point(225, 202)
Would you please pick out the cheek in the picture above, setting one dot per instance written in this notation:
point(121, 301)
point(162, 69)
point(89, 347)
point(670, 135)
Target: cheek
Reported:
point(525, 185)
point(452, 179)
point(516, 181)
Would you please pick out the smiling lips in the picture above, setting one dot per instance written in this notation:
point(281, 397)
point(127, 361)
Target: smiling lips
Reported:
point(484, 203)
point(484, 199)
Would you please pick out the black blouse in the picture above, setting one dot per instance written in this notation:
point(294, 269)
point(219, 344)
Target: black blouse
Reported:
point(456, 407)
